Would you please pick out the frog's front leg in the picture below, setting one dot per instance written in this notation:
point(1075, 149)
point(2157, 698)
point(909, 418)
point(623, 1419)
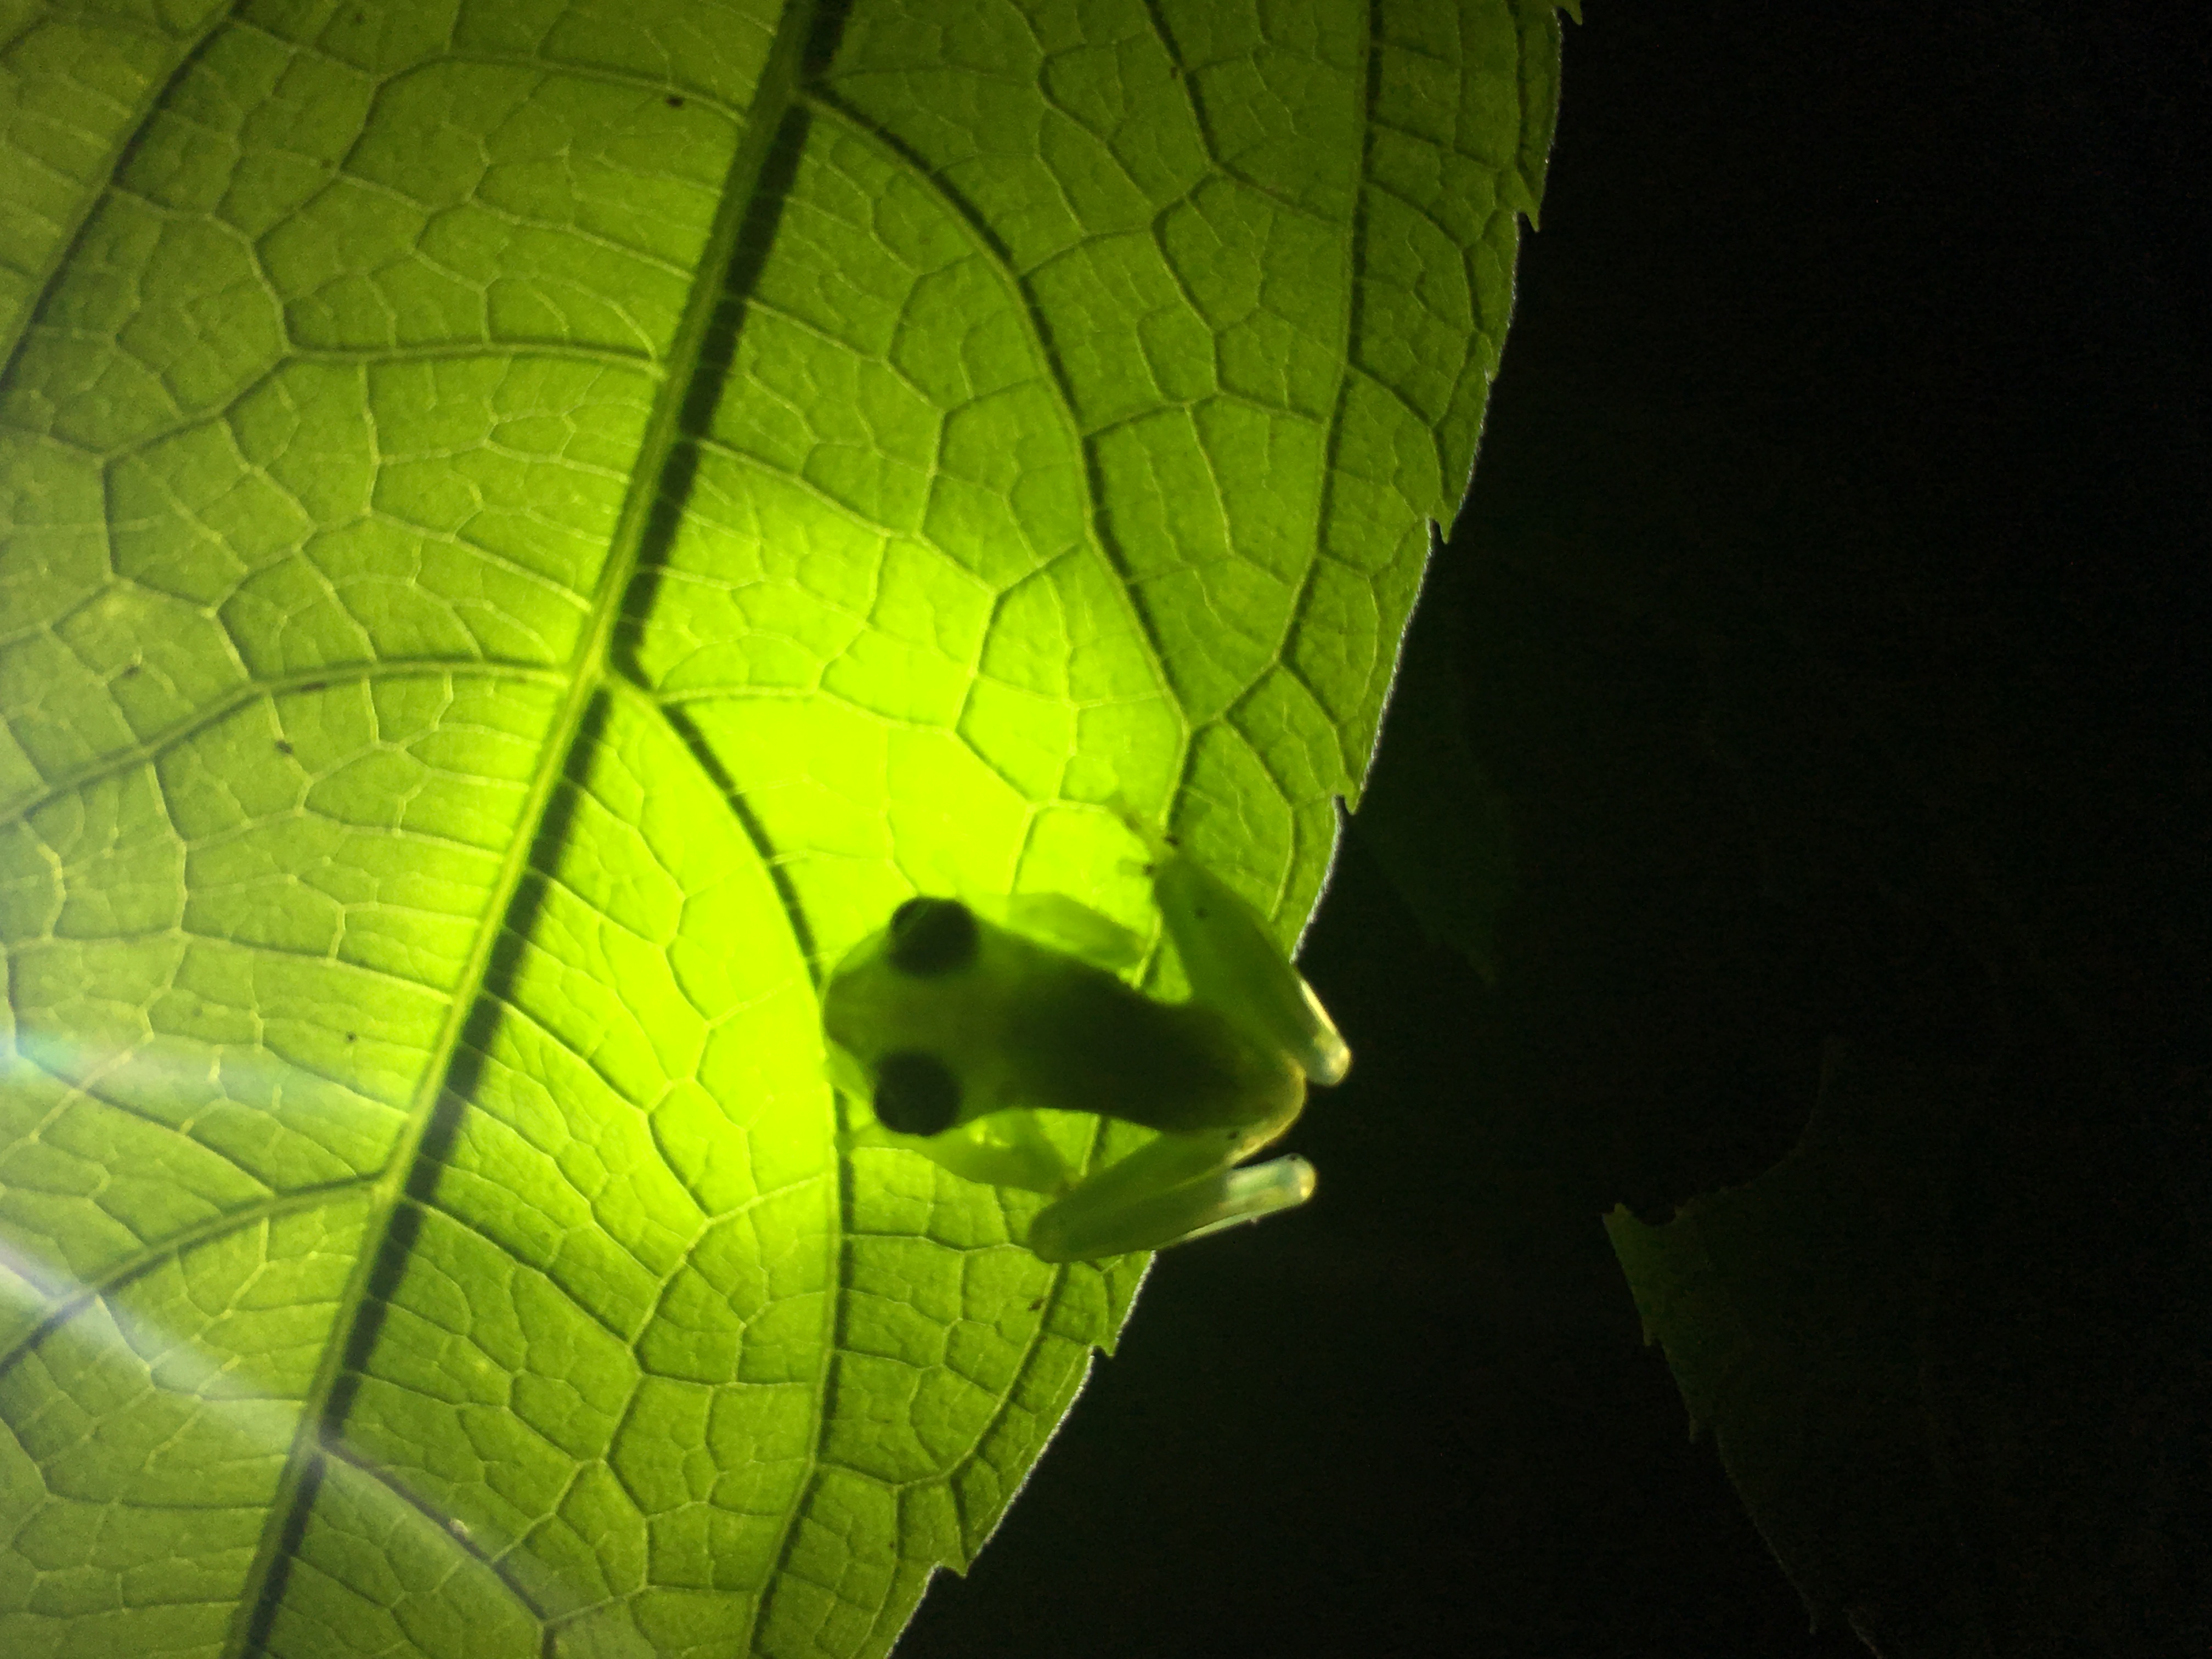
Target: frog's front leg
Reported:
point(1173, 1190)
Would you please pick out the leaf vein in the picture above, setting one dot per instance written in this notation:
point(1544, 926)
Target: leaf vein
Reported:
point(127, 1268)
point(247, 694)
point(155, 96)
point(1026, 310)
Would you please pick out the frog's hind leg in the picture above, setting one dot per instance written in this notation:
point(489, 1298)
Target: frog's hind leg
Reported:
point(1172, 1191)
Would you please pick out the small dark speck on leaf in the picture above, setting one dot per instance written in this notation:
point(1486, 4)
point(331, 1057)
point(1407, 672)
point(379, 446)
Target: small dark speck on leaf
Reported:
point(353, 1037)
point(283, 747)
point(676, 100)
point(316, 685)
point(131, 672)
point(1035, 1305)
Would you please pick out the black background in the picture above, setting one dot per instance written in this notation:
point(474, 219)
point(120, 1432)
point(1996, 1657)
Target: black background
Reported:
point(1830, 609)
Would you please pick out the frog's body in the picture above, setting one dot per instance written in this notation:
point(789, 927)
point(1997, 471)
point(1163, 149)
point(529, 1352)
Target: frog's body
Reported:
point(956, 1030)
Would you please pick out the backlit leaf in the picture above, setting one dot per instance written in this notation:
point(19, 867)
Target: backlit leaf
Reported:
point(528, 527)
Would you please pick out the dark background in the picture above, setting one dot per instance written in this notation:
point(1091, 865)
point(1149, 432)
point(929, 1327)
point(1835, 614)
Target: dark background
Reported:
point(1829, 620)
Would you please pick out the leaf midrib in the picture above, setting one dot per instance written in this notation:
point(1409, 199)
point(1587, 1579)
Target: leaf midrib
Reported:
point(587, 676)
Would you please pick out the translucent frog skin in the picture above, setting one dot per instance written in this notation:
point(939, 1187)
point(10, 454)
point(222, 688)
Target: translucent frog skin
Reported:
point(955, 1031)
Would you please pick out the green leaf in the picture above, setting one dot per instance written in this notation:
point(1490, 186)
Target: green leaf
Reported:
point(1797, 1315)
point(528, 529)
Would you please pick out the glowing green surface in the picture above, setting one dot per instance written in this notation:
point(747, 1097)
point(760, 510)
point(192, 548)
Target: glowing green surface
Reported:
point(528, 529)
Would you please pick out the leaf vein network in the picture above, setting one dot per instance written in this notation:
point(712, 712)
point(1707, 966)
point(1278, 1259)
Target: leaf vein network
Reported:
point(550, 67)
point(147, 1257)
point(334, 1448)
point(541, 1271)
point(153, 96)
point(797, 480)
point(247, 694)
point(1024, 308)
point(1349, 279)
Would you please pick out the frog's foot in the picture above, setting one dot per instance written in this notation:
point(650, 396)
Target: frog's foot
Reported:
point(1088, 1224)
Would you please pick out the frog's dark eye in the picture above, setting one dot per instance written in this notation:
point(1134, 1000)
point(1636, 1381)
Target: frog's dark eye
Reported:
point(932, 936)
point(916, 1094)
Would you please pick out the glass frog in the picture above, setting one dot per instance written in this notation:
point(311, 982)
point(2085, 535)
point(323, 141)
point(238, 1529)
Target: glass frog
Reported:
point(955, 1030)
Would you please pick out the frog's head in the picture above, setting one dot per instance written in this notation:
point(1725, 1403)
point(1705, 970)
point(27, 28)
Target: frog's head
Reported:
point(914, 1015)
